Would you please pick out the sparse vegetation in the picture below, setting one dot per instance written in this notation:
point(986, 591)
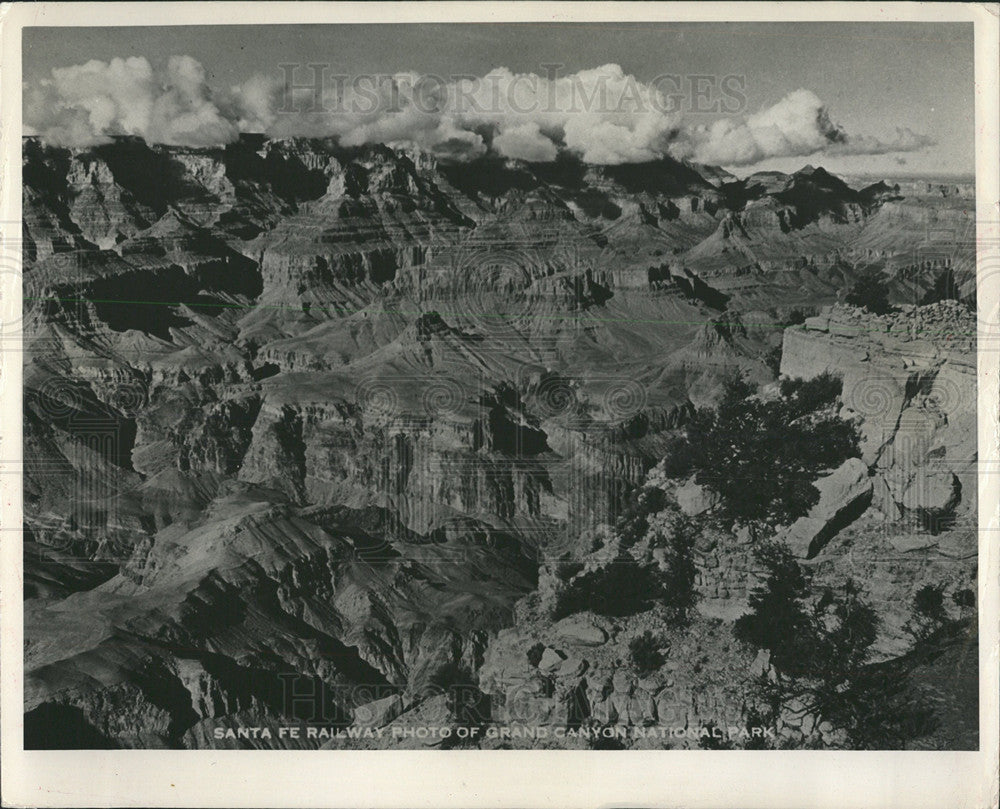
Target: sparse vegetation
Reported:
point(627, 584)
point(870, 292)
point(821, 650)
point(761, 456)
point(929, 614)
point(772, 359)
point(964, 599)
point(644, 651)
point(641, 504)
point(676, 577)
point(929, 602)
point(623, 587)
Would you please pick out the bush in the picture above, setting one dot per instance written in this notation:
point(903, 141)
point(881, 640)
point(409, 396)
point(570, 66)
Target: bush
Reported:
point(807, 395)
point(964, 599)
point(641, 504)
point(929, 614)
point(772, 359)
point(761, 456)
point(626, 586)
point(676, 580)
point(777, 620)
point(676, 460)
point(622, 588)
point(821, 650)
point(870, 292)
point(644, 651)
point(878, 709)
point(929, 602)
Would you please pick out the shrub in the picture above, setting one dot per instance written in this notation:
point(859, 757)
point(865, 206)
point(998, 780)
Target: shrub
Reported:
point(760, 456)
point(644, 651)
point(878, 709)
point(772, 359)
point(676, 579)
point(622, 588)
point(676, 457)
point(929, 602)
point(777, 620)
point(626, 586)
point(641, 504)
point(964, 599)
point(870, 292)
point(822, 649)
point(929, 614)
point(807, 395)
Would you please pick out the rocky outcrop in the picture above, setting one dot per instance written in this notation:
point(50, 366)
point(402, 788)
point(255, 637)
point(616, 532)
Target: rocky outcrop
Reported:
point(909, 378)
point(843, 496)
point(694, 499)
point(353, 422)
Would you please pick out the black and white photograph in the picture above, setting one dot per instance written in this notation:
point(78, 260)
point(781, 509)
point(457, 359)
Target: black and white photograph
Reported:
point(499, 386)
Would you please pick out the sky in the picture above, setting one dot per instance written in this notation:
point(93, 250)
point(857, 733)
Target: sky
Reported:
point(887, 99)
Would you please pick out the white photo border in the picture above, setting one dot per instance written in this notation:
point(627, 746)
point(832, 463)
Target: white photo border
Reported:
point(504, 778)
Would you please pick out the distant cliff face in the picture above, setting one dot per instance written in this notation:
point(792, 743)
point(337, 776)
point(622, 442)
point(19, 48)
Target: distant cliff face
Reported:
point(296, 410)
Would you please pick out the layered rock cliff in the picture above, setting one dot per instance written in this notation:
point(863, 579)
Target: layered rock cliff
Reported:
point(306, 426)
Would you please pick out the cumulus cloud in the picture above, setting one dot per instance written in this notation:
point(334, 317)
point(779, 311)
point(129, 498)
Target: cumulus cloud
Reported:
point(797, 126)
point(525, 142)
point(603, 115)
point(86, 104)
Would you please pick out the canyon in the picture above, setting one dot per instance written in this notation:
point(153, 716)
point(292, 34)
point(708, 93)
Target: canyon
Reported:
point(314, 434)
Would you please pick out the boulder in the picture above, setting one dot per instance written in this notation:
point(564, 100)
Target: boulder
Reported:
point(653, 682)
point(623, 682)
point(761, 665)
point(551, 659)
point(883, 499)
point(572, 667)
point(912, 542)
point(694, 499)
point(803, 537)
point(820, 322)
point(933, 491)
point(580, 630)
point(843, 497)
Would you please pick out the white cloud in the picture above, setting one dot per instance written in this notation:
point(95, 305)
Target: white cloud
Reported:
point(797, 126)
point(525, 142)
point(603, 115)
point(86, 104)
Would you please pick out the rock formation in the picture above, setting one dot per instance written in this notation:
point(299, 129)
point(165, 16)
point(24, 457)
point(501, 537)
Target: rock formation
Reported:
point(316, 433)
